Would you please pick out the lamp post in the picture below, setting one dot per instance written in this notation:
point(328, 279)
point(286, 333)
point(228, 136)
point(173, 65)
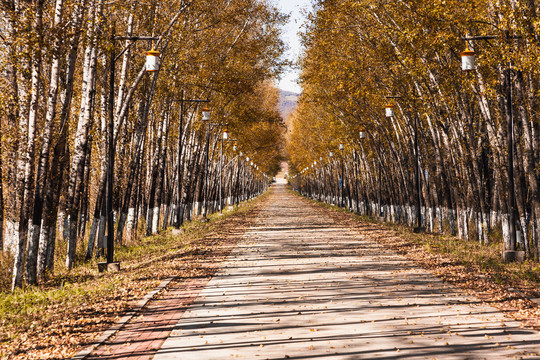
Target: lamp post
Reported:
point(356, 187)
point(390, 113)
point(205, 119)
point(239, 188)
point(467, 65)
point(322, 191)
point(252, 177)
point(233, 191)
point(224, 137)
point(342, 180)
point(312, 181)
point(331, 154)
point(182, 100)
point(381, 213)
point(244, 191)
point(315, 182)
point(151, 65)
point(362, 135)
point(379, 163)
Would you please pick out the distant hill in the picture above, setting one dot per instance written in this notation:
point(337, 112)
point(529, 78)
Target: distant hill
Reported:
point(287, 103)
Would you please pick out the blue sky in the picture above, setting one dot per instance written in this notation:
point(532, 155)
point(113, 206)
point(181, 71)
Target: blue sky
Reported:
point(295, 8)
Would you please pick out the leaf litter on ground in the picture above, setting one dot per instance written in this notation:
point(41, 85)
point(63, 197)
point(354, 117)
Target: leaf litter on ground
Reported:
point(68, 312)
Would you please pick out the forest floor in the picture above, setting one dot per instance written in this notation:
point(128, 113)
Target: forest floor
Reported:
point(306, 280)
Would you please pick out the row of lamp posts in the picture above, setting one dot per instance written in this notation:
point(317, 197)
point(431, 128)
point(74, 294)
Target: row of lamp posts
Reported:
point(224, 137)
point(152, 65)
point(340, 193)
point(468, 65)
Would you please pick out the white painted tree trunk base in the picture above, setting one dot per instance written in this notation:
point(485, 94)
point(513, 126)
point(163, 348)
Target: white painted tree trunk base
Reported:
point(155, 220)
point(11, 236)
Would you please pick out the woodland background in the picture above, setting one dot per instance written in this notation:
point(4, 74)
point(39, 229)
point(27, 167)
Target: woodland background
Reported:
point(55, 61)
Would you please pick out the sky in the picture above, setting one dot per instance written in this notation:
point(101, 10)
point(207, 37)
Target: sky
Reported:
point(294, 8)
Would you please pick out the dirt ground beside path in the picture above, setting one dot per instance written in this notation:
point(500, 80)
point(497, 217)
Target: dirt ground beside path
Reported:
point(73, 316)
point(304, 284)
point(143, 335)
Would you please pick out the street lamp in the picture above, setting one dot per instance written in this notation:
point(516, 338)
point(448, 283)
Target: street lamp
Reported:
point(205, 117)
point(152, 59)
point(390, 114)
point(322, 180)
point(151, 65)
point(332, 176)
point(342, 180)
point(389, 110)
point(379, 162)
point(467, 59)
point(225, 137)
point(236, 187)
point(468, 64)
point(182, 100)
point(244, 191)
point(205, 114)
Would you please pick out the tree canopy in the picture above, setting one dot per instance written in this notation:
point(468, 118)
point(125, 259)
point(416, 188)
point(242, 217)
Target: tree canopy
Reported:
point(361, 56)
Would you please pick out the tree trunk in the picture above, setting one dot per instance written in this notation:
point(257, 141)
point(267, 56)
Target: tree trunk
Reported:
point(13, 114)
point(81, 138)
point(26, 202)
point(161, 177)
point(1, 201)
point(43, 163)
point(134, 169)
point(155, 164)
point(60, 158)
point(83, 217)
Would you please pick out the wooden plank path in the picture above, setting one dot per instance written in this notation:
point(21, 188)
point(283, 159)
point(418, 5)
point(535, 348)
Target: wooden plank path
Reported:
point(300, 286)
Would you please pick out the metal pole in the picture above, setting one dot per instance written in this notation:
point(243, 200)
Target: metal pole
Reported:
point(327, 184)
point(318, 182)
point(237, 184)
point(110, 222)
point(331, 183)
point(356, 195)
point(342, 182)
point(179, 173)
point(206, 170)
point(510, 141)
point(380, 188)
point(418, 187)
point(220, 175)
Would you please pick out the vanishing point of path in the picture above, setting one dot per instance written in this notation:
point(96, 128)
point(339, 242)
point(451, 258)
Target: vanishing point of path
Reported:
point(300, 286)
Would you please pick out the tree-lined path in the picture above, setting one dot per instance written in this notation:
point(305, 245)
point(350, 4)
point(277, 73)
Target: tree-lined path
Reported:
point(300, 286)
